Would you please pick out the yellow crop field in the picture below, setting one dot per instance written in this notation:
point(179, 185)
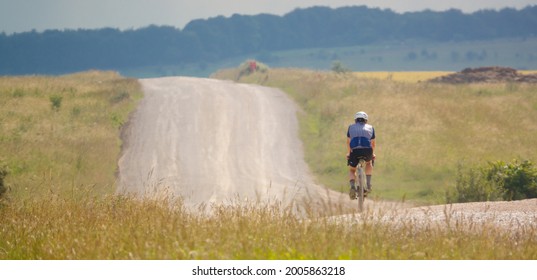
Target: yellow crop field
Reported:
point(411, 77)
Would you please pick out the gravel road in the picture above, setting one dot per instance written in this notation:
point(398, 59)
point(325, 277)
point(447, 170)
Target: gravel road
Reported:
point(211, 141)
point(512, 216)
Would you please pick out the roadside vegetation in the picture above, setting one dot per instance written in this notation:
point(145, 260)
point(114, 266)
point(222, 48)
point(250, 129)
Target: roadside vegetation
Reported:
point(61, 134)
point(116, 227)
point(60, 142)
point(496, 181)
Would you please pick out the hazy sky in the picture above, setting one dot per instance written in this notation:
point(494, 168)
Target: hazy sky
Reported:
point(25, 15)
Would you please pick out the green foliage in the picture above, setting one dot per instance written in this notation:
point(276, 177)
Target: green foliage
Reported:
point(496, 181)
point(117, 120)
point(250, 66)
point(56, 102)
point(338, 67)
point(518, 180)
point(472, 185)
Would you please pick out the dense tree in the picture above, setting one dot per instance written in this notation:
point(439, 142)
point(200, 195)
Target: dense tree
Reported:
point(218, 38)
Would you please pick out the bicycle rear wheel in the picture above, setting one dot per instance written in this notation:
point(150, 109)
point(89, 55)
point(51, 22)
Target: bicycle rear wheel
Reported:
point(361, 183)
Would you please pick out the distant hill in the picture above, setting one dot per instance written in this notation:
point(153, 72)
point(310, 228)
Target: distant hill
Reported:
point(216, 39)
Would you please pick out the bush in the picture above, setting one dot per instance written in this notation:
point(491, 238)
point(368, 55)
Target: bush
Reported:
point(18, 93)
point(496, 181)
point(338, 67)
point(250, 66)
point(472, 185)
point(56, 102)
point(518, 180)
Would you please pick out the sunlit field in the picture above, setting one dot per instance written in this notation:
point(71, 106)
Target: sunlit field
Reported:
point(411, 77)
point(60, 141)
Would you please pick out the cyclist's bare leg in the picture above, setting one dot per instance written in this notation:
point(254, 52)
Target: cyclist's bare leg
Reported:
point(368, 168)
point(368, 173)
point(352, 173)
point(352, 180)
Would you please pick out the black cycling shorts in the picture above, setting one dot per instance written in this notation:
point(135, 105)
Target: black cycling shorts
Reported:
point(356, 154)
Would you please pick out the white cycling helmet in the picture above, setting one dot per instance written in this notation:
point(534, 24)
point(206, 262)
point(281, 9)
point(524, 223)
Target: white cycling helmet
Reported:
point(360, 115)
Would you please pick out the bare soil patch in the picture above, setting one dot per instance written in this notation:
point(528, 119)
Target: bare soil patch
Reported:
point(493, 74)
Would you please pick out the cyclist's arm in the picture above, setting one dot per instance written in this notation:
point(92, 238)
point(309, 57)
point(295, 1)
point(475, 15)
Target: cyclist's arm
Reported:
point(349, 150)
point(373, 145)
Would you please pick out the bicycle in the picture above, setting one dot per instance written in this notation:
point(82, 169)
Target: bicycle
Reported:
point(360, 184)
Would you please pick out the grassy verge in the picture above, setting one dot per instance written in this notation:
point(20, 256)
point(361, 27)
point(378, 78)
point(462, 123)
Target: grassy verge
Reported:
point(425, 131)
point(124, 228)
point(62, 133)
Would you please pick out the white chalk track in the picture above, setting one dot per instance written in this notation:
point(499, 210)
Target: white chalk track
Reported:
point(212, 141)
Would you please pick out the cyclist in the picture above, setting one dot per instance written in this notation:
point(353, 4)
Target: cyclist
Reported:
point(360, 143)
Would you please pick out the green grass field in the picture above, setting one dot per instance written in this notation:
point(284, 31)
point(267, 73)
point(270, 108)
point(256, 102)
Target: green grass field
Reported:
point(62, 155)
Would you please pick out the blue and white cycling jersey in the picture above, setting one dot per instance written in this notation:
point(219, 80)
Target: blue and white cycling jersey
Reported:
point(361, 135)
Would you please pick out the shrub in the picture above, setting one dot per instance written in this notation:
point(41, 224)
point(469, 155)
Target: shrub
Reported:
point(56, 102)
point(18, 93)
point(472, 185)
point(496, 181)
point(518, 180)
point(117, 120)
point(338, 67)
point(251, 66)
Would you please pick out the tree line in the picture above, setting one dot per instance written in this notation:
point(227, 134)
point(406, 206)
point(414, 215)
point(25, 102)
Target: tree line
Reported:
point(62, 51)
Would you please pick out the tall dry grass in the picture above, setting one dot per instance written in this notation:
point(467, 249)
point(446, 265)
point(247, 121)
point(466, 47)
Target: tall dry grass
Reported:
point(114, 227)
point(48, 148)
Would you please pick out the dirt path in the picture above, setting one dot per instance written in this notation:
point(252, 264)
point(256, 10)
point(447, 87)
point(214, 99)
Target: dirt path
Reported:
point(212, 141)
point(511, 215)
